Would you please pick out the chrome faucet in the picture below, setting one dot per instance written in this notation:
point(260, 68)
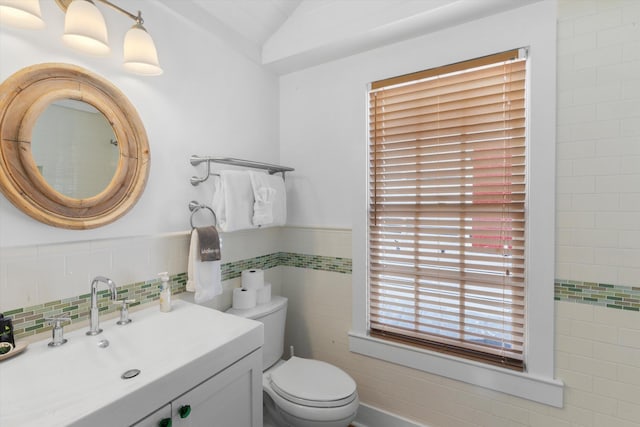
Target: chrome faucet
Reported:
point(94, 319)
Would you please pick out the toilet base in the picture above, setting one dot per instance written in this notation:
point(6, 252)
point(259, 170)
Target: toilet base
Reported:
point(270, 415)
point(267, 421)
point(273, 416)
point(293, 421)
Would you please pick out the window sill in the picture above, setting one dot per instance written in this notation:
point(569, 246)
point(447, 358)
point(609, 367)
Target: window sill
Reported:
point(548, 391)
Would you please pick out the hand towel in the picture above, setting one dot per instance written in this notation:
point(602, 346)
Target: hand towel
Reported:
point(233, 200)
point(203, 277)
point(208, 243)
point(263, 206)
point(270, 199)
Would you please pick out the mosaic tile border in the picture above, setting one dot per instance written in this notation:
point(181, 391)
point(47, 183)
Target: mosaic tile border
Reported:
point(600, 294)
point(287, 259)
point(31, 320)
point(231, 270)
point(316, 262)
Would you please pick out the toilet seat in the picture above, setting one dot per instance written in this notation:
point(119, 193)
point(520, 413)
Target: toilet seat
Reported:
point(332, 387)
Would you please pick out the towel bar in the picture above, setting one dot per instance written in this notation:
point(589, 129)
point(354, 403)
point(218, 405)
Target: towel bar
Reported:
point(271, 168)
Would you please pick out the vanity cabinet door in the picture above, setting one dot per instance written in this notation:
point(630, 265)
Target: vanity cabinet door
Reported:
point(160, 418)
point(232, 398)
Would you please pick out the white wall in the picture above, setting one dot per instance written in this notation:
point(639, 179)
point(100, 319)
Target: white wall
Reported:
point(210, 100)
point(323, 120)
point(322, 31)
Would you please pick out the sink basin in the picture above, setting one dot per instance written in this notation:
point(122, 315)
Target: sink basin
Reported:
point(79, 383)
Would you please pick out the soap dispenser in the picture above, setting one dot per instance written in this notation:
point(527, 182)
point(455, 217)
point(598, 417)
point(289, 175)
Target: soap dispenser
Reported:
point(165, 292)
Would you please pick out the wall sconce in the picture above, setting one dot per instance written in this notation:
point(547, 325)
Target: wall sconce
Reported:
point(85, 30)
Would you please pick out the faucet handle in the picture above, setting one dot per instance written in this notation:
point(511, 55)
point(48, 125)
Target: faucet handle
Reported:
point(124, 311)
point(57, 333)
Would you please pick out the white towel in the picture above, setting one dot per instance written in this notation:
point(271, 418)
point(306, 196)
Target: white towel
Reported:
point(233, 200)
point(263, 205)
point(203, 277)
point(270, 199)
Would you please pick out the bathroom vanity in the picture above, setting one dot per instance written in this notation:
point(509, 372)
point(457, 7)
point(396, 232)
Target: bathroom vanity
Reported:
point(196, 365)
point(224, 399)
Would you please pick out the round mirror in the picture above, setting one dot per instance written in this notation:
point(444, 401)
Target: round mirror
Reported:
point(75, 148)
point(69, 179)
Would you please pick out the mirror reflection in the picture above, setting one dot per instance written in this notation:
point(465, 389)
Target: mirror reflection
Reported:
point(75, 148)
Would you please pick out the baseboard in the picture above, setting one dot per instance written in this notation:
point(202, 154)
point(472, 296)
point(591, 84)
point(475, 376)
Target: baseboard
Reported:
point(369, 416)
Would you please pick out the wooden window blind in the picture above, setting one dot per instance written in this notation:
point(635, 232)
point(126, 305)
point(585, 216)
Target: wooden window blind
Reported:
point(447, 209)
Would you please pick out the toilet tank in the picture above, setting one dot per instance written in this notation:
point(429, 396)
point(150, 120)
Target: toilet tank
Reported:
point(273, 315)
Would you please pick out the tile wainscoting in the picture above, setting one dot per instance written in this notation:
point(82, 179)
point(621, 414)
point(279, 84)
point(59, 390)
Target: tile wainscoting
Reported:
point(30, 320)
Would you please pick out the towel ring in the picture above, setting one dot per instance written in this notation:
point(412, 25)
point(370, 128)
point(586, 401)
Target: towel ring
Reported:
point(195, 207)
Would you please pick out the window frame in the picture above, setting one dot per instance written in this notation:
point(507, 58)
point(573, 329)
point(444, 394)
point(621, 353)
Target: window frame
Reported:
point(534, 28)
point(392, 159)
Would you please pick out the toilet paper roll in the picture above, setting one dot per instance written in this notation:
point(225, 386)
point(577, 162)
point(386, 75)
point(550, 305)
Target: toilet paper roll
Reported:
point(253, 279)
point(244, 298)
point(264, 294)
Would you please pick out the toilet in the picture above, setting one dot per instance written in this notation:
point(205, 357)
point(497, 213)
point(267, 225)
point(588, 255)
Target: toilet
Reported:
point(299, 392)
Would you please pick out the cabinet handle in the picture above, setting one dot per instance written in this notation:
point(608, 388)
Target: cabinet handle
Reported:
point(184, 411)
point(165, 422)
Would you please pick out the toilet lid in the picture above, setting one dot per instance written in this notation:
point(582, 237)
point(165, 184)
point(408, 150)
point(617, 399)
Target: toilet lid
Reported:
point(313, 383)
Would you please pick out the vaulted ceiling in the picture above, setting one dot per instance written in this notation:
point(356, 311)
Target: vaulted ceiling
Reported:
point(287, 35)
point(256, 20)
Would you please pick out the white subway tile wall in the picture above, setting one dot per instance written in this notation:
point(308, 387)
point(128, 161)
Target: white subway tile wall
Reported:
point(597, 357)
point(598, 180)
point(39, 274)
point(36, 275)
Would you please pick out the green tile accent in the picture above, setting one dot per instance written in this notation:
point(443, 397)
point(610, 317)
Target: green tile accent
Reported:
point(32, 329)
point(30, 320)
point(77, 308)
point(13, 312)
point(231, 270)
point(600, 294)
point(315, 262)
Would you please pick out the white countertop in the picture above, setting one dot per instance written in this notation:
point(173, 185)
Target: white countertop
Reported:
point(79, 383)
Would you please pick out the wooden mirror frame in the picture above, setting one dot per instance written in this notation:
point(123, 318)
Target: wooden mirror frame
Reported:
point(23, 97)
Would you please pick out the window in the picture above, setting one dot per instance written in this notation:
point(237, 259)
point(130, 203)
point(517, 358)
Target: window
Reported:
point(447, 209)
point(533, 26)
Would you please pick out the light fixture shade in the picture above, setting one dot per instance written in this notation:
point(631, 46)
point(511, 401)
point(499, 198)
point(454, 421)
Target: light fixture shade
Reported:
point(21, 13)
point(85, 29)
point(140, 55)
